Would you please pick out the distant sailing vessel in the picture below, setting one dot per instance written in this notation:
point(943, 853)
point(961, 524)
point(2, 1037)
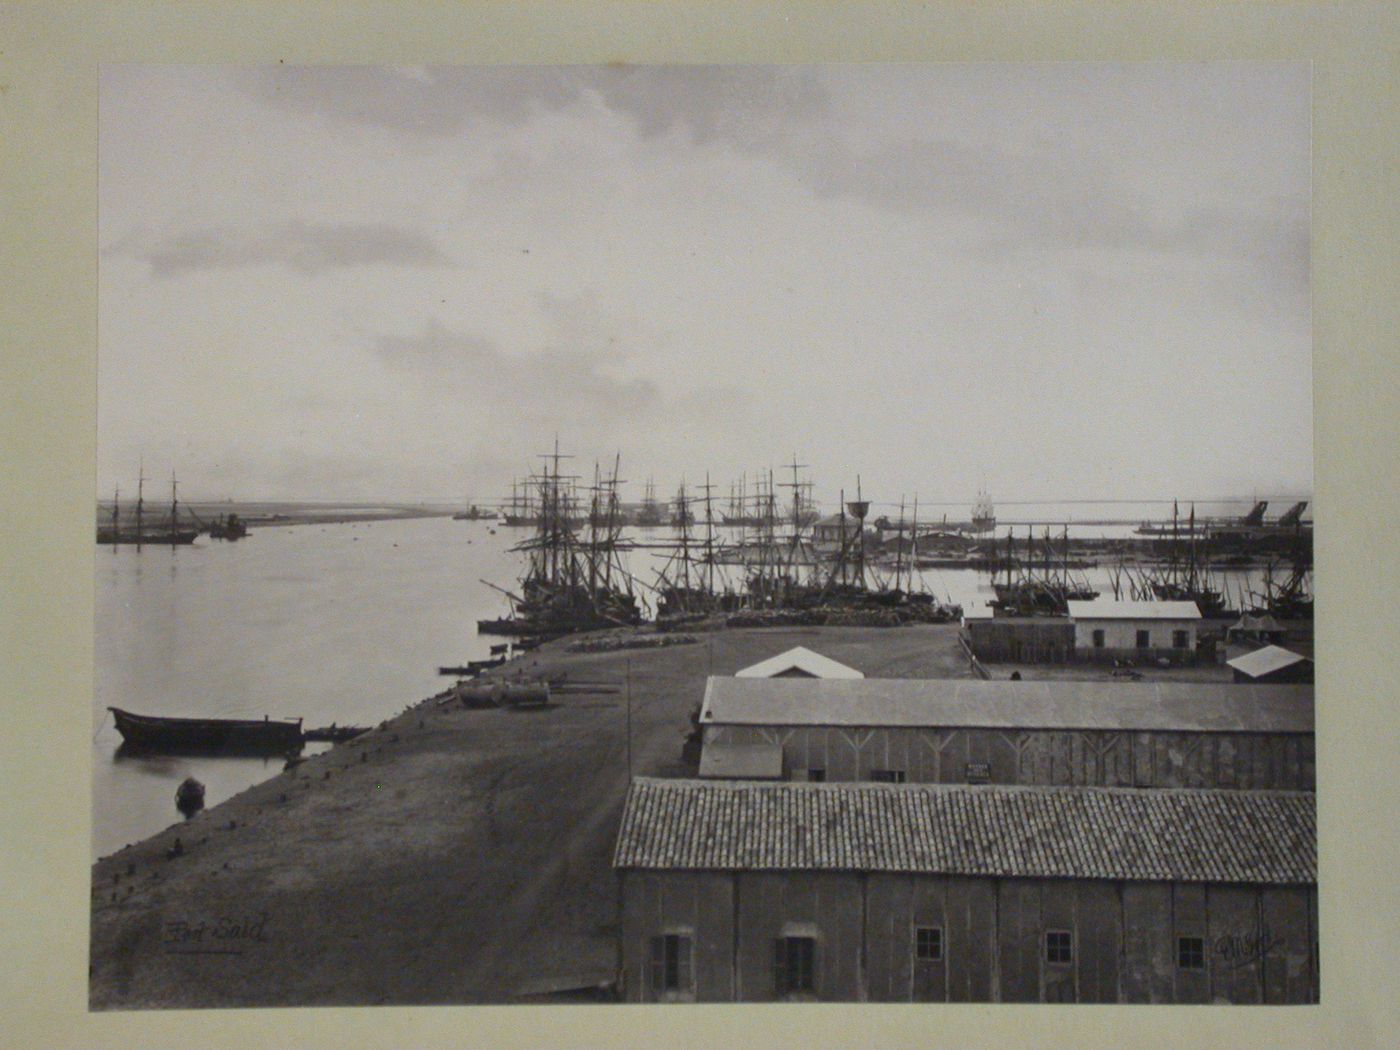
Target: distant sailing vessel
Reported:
point(651, 513)
point(474, 513)
point(227, 527)
point(170, 532)
point(984, 516)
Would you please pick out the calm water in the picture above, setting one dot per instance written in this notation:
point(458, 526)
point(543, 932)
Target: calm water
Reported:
point(333, 623)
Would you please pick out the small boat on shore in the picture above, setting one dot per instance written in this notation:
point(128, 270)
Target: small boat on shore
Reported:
point(218, 736)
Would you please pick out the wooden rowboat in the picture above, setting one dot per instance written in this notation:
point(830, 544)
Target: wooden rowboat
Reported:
point(219, 736)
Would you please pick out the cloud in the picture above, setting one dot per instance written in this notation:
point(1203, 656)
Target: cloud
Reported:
point(548, 387)
point(1050, 199)
point(1051, 190)
point(306, 248)
point(743, 104)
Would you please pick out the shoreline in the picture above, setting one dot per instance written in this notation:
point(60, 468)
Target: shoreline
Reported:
point(449, 855)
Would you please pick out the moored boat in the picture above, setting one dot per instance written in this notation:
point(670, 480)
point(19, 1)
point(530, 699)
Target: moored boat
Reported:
point(220, 736)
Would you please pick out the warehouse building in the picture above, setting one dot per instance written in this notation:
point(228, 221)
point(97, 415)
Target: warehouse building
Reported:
point(747, 892)
point(968, 731)
point(1135, 631)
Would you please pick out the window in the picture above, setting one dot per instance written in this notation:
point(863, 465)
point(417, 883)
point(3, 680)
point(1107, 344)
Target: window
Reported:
point(1059, 946)
point(794, 963)
point(1180, 639)
point(671, 966)
point(887, 776)
point(1098, 638)
point(1191, 953)
point(816, 775)
point(928, 943)
point(1144, 639)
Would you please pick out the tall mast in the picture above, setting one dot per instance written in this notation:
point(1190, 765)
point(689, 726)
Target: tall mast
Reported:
point(841, 548)
point(140, 499)
point(860, 537)
point(796, 487)
point(914, 544)
point(899, 546)
point(709, 540)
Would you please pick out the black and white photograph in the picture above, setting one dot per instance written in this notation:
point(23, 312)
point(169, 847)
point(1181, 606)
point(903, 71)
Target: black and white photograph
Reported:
point(704, 534)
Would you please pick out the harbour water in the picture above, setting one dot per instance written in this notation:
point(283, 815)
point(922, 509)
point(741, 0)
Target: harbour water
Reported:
point(337, 623)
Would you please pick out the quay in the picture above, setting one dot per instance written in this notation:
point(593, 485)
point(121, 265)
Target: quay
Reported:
point(450, 855)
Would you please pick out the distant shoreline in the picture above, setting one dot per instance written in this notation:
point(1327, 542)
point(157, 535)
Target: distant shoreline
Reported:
point(269, 514)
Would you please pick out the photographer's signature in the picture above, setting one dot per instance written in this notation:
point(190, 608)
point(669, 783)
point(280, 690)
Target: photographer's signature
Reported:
point(227, 935)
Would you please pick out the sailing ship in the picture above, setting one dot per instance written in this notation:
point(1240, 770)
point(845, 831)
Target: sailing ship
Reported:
point(984, 516)
point(170, 532)
point(574, 578)
point(651, 513)
point(227, 527)
point(1044, 593)
point(1186, 577)
point(474, 513)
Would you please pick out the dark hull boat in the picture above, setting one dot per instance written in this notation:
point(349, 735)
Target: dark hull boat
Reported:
point(207, 736)
point(156, 537)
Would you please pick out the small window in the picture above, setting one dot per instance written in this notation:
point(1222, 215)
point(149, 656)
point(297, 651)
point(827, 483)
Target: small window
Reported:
point(1180, 639)
point(1191, 953)
point(928, 943)
point(1098, 638)
point(887, 776)
point(1144, 639)
point(816, 775)
point(794, 965)
point(1059, 946)
point(671, 965)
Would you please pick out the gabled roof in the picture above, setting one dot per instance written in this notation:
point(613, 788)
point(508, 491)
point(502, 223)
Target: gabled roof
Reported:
point(799, 658)
point(741, 761)
point(1107, 609)
point(1267, 660)
point(1003, 704)
point(1183, 835)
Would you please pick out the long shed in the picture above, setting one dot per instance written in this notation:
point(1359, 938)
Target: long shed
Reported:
point(747, 892)
point(1106, 733)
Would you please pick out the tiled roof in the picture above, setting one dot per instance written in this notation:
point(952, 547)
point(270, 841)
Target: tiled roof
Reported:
point(1112, 706)
point(1032, 832)
point(1107, 609)
point(802, 659)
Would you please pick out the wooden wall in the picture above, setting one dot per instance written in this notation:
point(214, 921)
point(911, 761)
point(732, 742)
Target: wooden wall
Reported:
point(1094, 758)
point(1260, 942)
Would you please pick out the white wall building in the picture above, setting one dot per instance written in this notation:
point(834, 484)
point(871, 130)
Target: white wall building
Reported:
point(1115, 629)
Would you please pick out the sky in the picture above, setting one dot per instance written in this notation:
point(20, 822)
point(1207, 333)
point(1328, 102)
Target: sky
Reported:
point(1052, 280)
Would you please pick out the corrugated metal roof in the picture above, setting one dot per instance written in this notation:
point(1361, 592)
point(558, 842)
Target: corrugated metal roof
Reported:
point(1003, 704)
point(802, 659)
point(1265, 661)
point(1107, 609)
point(741, 761)
point(1033, 832)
